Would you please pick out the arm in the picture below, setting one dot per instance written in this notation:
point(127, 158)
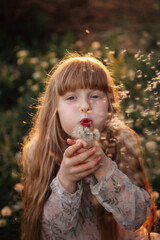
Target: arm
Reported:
point(129, 204)
point(122, 191)
point(61, 212)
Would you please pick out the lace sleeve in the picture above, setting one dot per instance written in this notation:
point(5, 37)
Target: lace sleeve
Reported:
point(129, 204)
point(60, 212)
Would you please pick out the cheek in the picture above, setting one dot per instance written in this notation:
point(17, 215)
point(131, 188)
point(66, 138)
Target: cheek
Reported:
point(102, 109)
point(66, 117)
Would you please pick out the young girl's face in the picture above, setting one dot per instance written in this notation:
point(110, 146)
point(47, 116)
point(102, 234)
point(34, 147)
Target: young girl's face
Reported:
point(88, 107)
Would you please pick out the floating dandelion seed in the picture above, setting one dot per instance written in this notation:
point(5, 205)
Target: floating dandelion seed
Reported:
point(131, 74)
point(153, 67)
point(112, 52)
point(51, 154)
point(137, 98)
point(123, 51)
point(137, 54)
point(87, 31)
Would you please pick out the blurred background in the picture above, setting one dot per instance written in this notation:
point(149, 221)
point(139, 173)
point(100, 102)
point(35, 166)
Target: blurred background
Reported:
point(35, 35)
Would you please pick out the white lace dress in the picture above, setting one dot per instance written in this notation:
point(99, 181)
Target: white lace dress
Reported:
point(63, 211)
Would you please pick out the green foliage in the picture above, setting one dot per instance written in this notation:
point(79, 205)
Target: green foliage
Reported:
point(136, 74)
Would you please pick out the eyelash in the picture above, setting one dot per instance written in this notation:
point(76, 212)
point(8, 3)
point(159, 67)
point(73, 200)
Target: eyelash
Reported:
point(95, 96)
point(71, 98)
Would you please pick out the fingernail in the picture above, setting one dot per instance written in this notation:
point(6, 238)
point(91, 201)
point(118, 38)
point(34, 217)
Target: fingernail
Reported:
point(93, 149)
point(78, 144)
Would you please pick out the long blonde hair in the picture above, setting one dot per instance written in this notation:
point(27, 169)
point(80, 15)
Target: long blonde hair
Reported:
point(43, 152)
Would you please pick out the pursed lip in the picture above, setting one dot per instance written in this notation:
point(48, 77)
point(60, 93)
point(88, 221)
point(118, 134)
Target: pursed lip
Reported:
point(86, 122)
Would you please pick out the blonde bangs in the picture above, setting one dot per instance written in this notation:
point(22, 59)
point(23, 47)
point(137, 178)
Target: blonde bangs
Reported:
point(81, 73)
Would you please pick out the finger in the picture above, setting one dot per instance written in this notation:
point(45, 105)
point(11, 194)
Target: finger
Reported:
point(87, 165)
point(84, 143)
point(72, 149)
point(89, 171)
point(71, 141)
point(79, 151)
point(82, 157)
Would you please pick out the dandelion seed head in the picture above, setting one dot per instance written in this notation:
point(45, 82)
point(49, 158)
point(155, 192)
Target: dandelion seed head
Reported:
point(86, 134)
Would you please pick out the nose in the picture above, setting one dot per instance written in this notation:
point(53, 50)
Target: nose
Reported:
point(85, 107)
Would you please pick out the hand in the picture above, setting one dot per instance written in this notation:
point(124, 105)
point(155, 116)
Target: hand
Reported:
point(85, 145)
point(75, 167)
point(104, 165)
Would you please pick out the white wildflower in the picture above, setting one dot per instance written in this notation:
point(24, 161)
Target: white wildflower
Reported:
point(17, 206)
point(36, 75)
point(151, 146)
point(18, 187)
point(95, 45)
point(138, 86)
point(22, 53)
point(3, 222)
point(6, 211)
point(44, 64)
point(33, 60)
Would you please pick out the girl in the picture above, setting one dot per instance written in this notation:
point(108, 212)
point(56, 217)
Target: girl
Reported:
point(80, 188)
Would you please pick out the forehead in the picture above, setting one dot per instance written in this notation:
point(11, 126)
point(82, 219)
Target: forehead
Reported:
point(81, 75)
point(85, 91)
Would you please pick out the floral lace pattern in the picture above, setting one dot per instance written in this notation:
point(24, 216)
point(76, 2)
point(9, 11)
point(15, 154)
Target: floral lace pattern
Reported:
point(69, 216)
